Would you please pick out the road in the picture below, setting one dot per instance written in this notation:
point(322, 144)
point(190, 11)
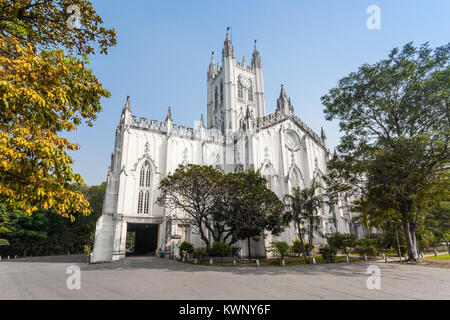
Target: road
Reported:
point(155, 278)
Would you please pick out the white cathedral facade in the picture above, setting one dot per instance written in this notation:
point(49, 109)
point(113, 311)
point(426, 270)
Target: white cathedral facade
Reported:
point(238, 135)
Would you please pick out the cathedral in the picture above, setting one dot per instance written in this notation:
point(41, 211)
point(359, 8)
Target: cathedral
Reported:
point(238, 135)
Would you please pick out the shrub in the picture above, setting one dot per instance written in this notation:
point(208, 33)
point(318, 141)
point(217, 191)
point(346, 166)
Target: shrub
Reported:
point(280, 248)
point(328, 253)
point(187, 247)
point(200, 253)
point(297, 246)
point(365, 247)
point(342, 242)
point(221, 249)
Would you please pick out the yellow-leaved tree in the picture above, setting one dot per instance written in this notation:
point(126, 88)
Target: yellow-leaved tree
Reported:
point(45, 92)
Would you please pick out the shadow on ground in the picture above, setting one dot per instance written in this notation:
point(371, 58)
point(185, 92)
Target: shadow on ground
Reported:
point(154, 263)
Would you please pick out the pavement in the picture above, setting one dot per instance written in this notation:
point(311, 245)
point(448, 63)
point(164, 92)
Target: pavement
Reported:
point(155, 278)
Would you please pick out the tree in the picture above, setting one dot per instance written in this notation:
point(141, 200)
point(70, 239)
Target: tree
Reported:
point(395, 118)
point(43, 24)
point(47, 233)
point(193, 190)
point(252, 208)
point(342, 242)
point(438, 222)
point(303, 210)
point(43, 92)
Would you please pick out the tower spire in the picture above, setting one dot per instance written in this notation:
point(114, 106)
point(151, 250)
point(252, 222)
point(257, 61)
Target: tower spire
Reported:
point(256, 57)
point(169, 115)
point(228, 50)
point(284, 104)
point(212, 67)
point(202, 122)
point(127, 106)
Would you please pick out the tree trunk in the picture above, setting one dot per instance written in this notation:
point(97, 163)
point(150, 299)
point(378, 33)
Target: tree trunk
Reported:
point(399, 251)
point(248, 245)
point(410, 235)
point(301, 239)
point(205, 239)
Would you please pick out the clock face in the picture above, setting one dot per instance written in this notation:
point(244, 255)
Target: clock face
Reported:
point(244, 81)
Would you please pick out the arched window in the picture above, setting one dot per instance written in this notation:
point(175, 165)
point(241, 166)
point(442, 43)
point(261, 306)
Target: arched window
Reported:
point(147, 177)
point(144, 189)
point(146, 202)
point(240, 91)
point(250, 92)
point(140, 201)
point(142, 178)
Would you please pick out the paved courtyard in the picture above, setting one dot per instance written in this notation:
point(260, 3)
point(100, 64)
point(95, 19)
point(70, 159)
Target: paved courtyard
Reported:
point(155, 278)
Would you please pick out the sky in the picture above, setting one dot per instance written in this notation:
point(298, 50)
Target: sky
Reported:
point(164, 48)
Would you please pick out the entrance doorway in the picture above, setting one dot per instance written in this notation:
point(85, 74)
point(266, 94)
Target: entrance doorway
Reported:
point(142, 239)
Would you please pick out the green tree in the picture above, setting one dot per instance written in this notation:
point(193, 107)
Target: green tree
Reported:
point(303, 210)
point(252, 207)
point(47, 233)
point(194, 190)
point(395, 119)
point(342, 242)
point(438, 222)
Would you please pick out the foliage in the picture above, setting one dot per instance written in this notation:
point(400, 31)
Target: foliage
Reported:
point(221, 249)
point(342, 242)
point(303, 210)
point(200, 253)
point(438, 222)
point(251, 208)
point(394, 152)
point(298, 247)
point(365, 247)
point(44, 92)
point(231, 207)
point(43, 24)
point(47, 233)
point(194, 190)
point(328, 253)
point(187, 247)
point(280, 248)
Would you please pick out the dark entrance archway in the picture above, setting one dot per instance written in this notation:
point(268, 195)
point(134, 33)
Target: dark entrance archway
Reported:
point(142, 239)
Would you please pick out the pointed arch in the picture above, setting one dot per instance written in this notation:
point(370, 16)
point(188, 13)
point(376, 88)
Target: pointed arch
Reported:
point(145, 187)
point(295, 178)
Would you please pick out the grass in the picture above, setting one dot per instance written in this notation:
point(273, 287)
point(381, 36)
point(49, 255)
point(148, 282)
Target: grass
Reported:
point(289, 261)
point(439, 257)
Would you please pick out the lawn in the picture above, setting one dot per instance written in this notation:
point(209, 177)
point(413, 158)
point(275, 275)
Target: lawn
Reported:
point(440, 257)
point(289, 261)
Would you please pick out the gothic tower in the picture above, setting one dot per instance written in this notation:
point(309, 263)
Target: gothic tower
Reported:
point(234, 90)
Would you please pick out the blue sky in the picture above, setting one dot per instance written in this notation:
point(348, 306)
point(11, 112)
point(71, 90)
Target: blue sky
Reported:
point(164, 48)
